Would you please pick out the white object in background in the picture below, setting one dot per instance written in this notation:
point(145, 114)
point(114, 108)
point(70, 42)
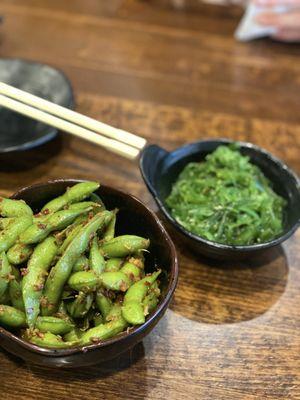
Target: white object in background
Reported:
point(248, 29)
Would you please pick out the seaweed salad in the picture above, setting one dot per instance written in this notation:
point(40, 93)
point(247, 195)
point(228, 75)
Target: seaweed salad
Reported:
point(226, 199)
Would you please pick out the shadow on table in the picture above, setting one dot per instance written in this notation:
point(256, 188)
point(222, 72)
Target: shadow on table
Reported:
point(29, 159)
point(217, 292)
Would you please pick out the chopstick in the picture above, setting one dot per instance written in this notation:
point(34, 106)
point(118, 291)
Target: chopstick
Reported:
point(116, 140)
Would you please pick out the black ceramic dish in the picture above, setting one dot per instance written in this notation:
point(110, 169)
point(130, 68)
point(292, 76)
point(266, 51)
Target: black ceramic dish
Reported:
point(133, 218)
point(18, 132)
point(160, 170)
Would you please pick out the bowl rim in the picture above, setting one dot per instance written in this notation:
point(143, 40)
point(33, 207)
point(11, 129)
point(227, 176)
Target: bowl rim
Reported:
point(220, 246)
point(50, 132)
point(123, 335)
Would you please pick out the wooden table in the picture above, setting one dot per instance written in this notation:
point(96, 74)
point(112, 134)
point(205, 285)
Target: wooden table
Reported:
point(173, 77)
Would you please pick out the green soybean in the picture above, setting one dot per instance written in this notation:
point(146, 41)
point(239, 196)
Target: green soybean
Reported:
point(81, 305)
point(115, 281)
point(62, 311)
point(14, 208)
point(48, 340)
point(82, 264)
point(60, 273)
point(15, 294)
point(97, 199)
point(138, 290)
point(85, 281)
point(96, 259)
point(113, 264)
point(73, 194)
point(57, 326)
point(62, 235)
point(103, 303)
point(11, 317)
point(133, 309)
point(110, 230)
point(19, 253)
point(85, 204)
point(9, 236)
point(122, 246)
point(132, 271)
point(5, 222)
point(5, 299)
point(150, 303)
point(5, 273)
point(39, 231)
point(73, 335)
point(33, 281)
point(104, 331)
point(133, 313)
point(98, 319)
point(69, 238)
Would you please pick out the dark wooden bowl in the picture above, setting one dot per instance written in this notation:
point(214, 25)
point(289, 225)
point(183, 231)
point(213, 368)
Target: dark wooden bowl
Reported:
point(160, 170)
point(133, 218)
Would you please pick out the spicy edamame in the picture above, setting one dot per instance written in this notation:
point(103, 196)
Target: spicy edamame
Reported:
point(65, 279)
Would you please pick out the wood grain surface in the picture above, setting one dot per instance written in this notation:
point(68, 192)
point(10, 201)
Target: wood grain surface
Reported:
point(172, 76)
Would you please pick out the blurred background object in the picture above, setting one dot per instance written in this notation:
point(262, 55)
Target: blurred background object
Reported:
point(18, 132)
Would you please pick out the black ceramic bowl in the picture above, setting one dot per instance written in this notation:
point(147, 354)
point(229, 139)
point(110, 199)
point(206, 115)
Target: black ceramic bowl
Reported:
point(133, 218)
point(18, 132)
point(160, 170)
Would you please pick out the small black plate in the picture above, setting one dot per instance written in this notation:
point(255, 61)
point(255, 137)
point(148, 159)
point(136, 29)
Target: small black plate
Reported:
point(18, 132)
point(160, 170)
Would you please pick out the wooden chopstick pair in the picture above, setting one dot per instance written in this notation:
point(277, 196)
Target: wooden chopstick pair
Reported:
point(113, 139)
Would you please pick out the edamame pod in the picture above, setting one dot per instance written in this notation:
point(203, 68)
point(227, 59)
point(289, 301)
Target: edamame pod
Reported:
point(138, 290)
point(5, 222)
point(149, 303)
point(85, 204)
point(74, 194)
point(19, 253)
point(82, 264)
point(122, 246)
point(138, 260)
point(60, 273)
point(14, 208)
point(110, 230)
point(132, 271)
point(113, 264)
point(133, 309)
point(69, 238)
point(57, 326)
point(39, 231)
point(98, 319)
point(10, 316)
point(9, 236)
point(85, 281)
point(96, 259)
point(115, 281)
point(104, 304)
point(133, 313)
point(62, 311)
point(104, 331)
point(33, 280)
point(5, 299)
point(73, 335)
point(48, 340)
point(62, 235)
point(81, 305)
point(96, 199)
point(5, 273)
point(15, 294)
